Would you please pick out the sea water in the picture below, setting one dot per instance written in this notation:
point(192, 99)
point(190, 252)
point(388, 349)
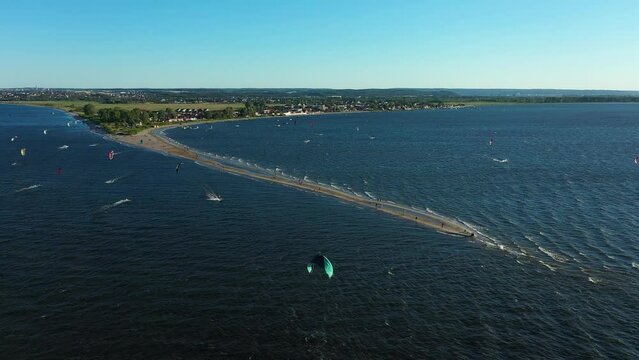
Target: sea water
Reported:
point(145, 266)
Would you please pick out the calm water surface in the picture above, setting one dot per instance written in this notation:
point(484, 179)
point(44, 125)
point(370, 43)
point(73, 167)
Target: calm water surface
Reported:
point(84, 273)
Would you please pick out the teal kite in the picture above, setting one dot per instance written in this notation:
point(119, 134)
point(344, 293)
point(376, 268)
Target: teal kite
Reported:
point(322, 261)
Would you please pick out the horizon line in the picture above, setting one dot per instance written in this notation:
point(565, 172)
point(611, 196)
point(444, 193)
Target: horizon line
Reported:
point(312, 88)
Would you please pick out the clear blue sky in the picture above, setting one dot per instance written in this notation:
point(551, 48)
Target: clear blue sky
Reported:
point(577, 44)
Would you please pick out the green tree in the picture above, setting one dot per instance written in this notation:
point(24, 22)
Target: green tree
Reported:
point(228, 112)
point(89, 109)
point(171, 113)
point(145, 117)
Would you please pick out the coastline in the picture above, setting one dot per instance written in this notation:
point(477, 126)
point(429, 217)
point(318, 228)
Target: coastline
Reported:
point(151, 139)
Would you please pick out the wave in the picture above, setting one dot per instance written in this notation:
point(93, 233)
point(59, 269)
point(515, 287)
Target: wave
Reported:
point(594, 280)
point(494, 243)
point(370, 195)
point(28, 188)
point(500, 160)
point(307, 141)
point(554, 256)
point(550, 267)
point(63, 147)
point(93, 145)
point(117, 203)
point(635, 265)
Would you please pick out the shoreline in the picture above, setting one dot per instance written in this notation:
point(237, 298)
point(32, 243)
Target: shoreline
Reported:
point(150, 139)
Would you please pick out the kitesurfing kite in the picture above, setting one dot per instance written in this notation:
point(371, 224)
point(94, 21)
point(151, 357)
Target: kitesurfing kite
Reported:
point(44, 131)
point(23, 151)
point(177, 168)
point(322, 261)
point(110, 155)
point(636, 159)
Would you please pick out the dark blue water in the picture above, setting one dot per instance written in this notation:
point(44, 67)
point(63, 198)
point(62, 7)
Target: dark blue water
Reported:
point(169, 274)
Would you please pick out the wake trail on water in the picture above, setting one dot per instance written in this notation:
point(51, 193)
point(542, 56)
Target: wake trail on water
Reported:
point(111, 181)
point(28, 188)
point(500, 160)
point(111, 206)
point(211, 195)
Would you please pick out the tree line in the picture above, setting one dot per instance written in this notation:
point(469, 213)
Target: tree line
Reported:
point(137, 117)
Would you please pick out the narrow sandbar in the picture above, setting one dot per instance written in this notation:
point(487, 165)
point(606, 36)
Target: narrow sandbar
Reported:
point(153, 140)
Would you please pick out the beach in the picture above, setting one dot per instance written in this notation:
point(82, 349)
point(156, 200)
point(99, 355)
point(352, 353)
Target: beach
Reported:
point(151, 139)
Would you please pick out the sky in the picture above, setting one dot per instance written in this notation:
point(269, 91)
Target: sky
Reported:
point(560, 44)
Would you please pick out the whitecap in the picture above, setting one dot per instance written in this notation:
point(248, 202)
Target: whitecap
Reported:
point(554, 256)
point(594, 280)
point(552, 268)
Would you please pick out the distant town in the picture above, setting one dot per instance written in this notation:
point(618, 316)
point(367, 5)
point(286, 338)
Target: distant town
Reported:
point(127, 111)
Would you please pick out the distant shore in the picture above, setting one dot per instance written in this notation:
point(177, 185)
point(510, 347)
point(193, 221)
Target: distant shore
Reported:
point(150, 139)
